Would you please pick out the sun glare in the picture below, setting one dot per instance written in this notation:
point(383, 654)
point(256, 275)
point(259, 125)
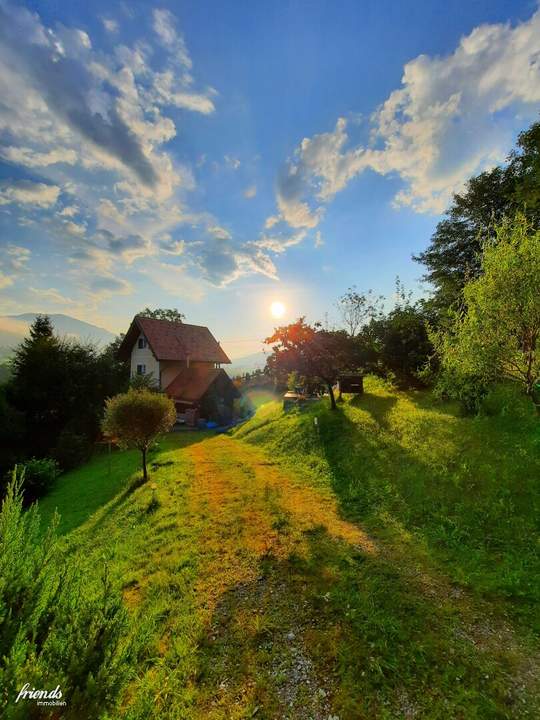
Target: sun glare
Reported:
point(277, 310)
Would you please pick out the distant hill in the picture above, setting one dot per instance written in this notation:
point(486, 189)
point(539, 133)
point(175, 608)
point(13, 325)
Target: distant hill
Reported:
point(13, 329)
point(247, 363)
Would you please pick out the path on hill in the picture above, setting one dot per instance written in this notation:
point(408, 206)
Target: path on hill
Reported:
point(258, 622)
point(280, 578)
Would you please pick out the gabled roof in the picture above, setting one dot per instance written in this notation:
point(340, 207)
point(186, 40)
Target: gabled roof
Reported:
point(173, 341)
point(192, 383)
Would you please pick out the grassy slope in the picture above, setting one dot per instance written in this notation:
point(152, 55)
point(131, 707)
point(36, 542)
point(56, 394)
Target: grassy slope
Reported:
point(382, 566)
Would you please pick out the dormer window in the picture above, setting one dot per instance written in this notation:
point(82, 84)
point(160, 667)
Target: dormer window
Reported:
point(142, 343)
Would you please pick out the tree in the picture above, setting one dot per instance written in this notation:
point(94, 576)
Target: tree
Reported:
point(316, 354)
point(357, 308)
point(134, 419)
point(498, 335)
point(57, 389)
point(453, 256)
point(170, 314)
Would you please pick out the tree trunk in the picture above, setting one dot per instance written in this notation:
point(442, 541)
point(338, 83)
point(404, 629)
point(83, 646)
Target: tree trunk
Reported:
point(144, 470)
point(332, 398)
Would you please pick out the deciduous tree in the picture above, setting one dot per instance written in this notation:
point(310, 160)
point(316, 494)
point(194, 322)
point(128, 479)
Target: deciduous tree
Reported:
point(134, 419)
point(499, 334)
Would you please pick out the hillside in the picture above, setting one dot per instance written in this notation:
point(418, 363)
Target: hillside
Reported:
point(13, 329)
point(379, 564)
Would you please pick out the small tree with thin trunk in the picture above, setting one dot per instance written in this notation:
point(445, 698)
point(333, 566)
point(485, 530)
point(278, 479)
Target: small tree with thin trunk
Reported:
point(134, 419)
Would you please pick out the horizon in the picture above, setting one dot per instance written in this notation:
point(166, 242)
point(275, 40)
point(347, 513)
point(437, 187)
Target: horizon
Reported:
point(277, 156)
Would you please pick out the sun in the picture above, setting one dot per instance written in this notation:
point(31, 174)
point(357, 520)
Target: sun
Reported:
point(277, 309)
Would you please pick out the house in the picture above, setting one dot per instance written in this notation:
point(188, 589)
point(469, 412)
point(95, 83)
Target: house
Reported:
point(185, 361)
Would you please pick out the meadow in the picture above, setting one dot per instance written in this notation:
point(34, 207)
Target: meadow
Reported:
point(381, 562)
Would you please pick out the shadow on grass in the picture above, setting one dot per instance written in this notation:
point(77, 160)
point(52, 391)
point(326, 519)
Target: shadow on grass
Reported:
point(338, 630)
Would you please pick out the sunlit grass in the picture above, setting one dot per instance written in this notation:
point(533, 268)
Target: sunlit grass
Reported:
point(367, 566)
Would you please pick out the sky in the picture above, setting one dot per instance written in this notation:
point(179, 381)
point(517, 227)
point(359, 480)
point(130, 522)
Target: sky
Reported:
point(220, 156)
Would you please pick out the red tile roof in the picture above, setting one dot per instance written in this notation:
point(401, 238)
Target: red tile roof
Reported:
point(174, 341)
point(192, 383)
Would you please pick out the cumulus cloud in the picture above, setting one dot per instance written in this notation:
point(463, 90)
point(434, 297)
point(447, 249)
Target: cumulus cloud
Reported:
point(89, 108)
point(453, 116)
point(29, 193)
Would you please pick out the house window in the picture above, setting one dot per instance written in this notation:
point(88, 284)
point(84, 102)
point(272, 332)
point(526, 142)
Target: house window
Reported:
point(141, 369)
point(142, 343)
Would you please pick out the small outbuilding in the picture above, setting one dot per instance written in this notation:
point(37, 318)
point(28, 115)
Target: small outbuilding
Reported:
point(351, 383)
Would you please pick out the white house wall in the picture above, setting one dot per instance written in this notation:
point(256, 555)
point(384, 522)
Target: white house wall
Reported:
point(144, 356)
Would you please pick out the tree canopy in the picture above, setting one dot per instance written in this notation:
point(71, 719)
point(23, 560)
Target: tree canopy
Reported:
point(453, 256)
point(171, 314)
point(134, 419)
point(318, 355)
point(498, 335)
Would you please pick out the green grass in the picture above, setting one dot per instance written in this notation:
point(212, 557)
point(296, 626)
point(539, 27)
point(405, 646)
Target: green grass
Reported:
point(381, 564)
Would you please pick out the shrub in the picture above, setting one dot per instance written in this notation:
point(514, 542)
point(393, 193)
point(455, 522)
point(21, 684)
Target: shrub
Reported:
point(57, 628)
point(72, 449)
point(134, 419)
point(39, 475)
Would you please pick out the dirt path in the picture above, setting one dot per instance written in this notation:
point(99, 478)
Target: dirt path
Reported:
point(258, 518)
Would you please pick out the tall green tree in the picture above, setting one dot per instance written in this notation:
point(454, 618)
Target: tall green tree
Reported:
point(453, 256)
point(58, 387)
point(498, 336)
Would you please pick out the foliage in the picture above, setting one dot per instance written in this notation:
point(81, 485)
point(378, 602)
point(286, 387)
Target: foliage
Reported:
point(59, 385)
point(453, 256)
point(39, 476)
point(144, 381)
point(393, 541)
point(54, 631)
point(171, 314)
point(72, 449)
point(316, 354)
point(356, 309)
point(498, 336)
point(134, 419)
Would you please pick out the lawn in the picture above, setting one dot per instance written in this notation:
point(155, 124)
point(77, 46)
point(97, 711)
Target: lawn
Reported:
point(382, 563)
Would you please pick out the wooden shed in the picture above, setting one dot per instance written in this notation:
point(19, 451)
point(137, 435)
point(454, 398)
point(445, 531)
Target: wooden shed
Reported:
point(351, 383)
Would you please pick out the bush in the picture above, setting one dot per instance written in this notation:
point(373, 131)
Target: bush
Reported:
point(57, 628)
point(72, 449)
point(135, 419)
point(39, 475)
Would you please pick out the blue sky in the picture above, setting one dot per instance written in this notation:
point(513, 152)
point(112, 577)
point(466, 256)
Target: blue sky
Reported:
point(216, 157)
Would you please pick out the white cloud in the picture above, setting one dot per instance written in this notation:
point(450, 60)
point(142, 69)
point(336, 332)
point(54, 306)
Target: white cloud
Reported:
point(13, 262)
point(110, 25)
point(250, 192)
point(51, 295)
point(5, 280)
point(232, 162)
point(319, 242)
point(32, 158)
point(453, 116)
point(280, 243)
point(29, 193)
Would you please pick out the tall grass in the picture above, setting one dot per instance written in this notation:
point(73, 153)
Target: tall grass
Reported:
point(57, 626)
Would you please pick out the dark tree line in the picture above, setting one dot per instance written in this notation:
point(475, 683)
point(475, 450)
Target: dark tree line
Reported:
point(53, 402)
